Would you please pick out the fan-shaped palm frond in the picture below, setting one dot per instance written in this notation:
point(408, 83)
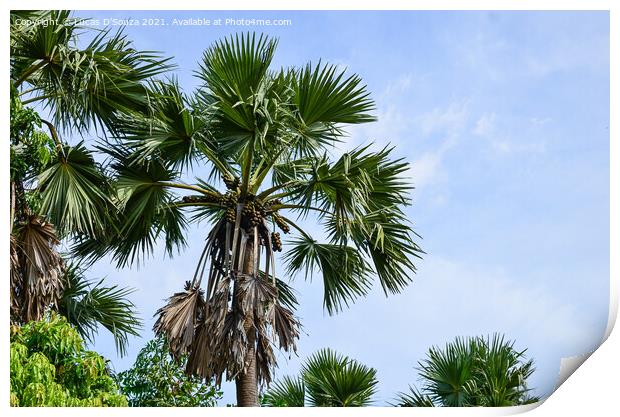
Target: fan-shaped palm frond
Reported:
point(345, 273)
point(81, 87)
point(479, 371)
point(168, 128)
point(73, 193)
point(334, 380)
point(414, 398)
point(88, 304)
point(287, 392)
point(328, 379)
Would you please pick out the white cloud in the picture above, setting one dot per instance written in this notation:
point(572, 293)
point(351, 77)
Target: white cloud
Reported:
point(449, 120)
point(501, 141)
point(485, 125)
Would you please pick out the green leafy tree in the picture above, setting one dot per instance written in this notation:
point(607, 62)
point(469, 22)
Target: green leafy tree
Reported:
point(50, 367)
point(472, 372)
point(58, 191)
point(157, 380)
point(327, 379)
point(264, 136)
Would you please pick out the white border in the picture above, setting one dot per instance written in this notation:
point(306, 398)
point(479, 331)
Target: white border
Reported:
point(592, 389)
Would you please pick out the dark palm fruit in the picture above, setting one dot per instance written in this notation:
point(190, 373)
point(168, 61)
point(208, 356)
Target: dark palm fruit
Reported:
point(281, 223)
point(208, 198)
point(230, 215)
point(229, 181)
point(232, 183)
point(230, 199)
point(276, 242)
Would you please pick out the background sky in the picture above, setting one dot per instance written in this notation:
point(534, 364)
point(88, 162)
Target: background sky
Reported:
point(504, 117)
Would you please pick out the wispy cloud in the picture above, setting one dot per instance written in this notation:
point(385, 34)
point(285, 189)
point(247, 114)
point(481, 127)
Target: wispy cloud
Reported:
point(505, 141)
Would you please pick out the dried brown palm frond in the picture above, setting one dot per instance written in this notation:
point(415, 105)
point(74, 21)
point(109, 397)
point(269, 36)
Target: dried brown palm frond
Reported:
point(265, 359)
point(235, 341)
point(241, 319)
point(16, 280)
point(255, 294)
point(39, 275)
point(200, 360)
point(285, 327)
point(177, 319)
point(219, 349)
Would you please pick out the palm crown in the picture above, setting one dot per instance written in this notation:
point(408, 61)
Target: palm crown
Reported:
point(473, 372)
point(59, 191)
point(264, 137)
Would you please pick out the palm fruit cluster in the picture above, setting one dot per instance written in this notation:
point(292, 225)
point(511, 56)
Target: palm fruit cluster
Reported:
point(230, 200)
point(230, 215)
point(276, 242)
point(269, 204)
point(281, 223)
point(208, 198)
point(253, 212)
point(232, 183)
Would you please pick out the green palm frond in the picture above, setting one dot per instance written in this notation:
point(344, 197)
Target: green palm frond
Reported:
point(88, 305)
point(413, 398)
point(145, 205)
point(324, 98)
point(287, 392)
point(35, 46)
point(334, 380)
point(474, 371)
point(360, 199)
point(168, 128)
point(83, 87)
point(233, 70)
point(345, 274)
point(73, 193)
point(449, 370)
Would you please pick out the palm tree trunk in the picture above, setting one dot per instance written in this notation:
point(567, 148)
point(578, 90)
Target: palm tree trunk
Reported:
point(247, 383)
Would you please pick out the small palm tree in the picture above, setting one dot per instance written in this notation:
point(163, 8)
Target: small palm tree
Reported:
point(59, 191)
point(264, 137)
point(327, 379)
point(470, 372)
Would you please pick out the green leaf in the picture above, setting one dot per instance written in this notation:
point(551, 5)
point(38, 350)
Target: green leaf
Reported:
point(334, 380)
point(88, 305)
point(287, 392)
point(345, 273)
point(73, 192)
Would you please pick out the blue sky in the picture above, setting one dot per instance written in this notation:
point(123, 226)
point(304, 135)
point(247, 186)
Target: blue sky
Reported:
point(504, 117)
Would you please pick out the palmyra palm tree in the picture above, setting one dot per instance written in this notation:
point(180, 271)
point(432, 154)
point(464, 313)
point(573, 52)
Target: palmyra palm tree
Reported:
point(54, 186)
point(264, 136)
point(472, 372)
point(327, 379)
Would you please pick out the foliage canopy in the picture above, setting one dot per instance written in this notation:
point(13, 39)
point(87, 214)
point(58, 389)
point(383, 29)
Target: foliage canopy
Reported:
point(157, 380)
point(50, 367)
